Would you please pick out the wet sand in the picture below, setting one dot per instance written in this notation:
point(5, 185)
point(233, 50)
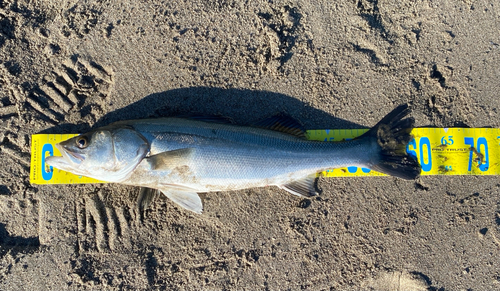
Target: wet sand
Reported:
point(74, 65)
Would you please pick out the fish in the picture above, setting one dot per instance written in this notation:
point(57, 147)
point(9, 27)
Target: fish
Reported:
point(182, 157)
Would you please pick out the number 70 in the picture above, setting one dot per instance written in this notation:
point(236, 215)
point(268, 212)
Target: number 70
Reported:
point(481, 141)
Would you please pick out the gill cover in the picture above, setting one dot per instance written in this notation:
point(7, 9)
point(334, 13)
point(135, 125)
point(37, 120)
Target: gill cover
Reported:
point(108, 154)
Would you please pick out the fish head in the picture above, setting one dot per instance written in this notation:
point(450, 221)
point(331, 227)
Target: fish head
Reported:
point(108, 154)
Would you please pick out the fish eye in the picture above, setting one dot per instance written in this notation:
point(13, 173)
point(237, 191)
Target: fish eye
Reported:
point(82, 142)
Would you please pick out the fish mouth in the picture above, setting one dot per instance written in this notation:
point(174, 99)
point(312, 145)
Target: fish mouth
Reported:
point(68, 160)
point(70, 156)
point(57, 162)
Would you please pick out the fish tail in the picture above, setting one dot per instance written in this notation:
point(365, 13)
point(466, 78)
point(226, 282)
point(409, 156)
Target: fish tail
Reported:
point(392, 135)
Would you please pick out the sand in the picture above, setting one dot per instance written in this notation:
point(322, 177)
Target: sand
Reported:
point(66, 67)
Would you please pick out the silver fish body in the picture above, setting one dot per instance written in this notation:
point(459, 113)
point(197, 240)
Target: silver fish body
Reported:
point(226, 157)
point(183, 157)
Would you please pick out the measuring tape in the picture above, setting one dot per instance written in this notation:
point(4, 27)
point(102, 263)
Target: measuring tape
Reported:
point(440, 151)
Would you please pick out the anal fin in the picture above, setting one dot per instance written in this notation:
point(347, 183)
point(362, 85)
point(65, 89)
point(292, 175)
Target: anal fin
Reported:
point(301, 187)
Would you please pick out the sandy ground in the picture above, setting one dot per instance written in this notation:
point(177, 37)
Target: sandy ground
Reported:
point(66, 67)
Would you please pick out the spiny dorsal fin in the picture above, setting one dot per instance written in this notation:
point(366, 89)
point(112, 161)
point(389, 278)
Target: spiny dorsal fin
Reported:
point(186, 199)
point(283, 123)
point(170, 159)
point(302, 187)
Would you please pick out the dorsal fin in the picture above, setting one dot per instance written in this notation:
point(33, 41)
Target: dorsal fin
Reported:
point(283, 123)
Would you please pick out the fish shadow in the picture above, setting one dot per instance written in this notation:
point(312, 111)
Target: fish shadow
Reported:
point(243, 106)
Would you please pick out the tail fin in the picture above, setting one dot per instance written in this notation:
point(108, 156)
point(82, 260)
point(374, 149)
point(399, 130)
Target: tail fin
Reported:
point(393, 134)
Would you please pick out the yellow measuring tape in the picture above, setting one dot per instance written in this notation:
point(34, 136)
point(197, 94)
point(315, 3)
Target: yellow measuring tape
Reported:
point(440, 151)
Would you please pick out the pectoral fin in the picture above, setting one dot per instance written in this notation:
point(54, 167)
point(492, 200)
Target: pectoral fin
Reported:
point(187, 199)
point(302, 187)
point(171, 159)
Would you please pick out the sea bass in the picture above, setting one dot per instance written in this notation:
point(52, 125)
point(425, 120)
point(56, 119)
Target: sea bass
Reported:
point(184, 157)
